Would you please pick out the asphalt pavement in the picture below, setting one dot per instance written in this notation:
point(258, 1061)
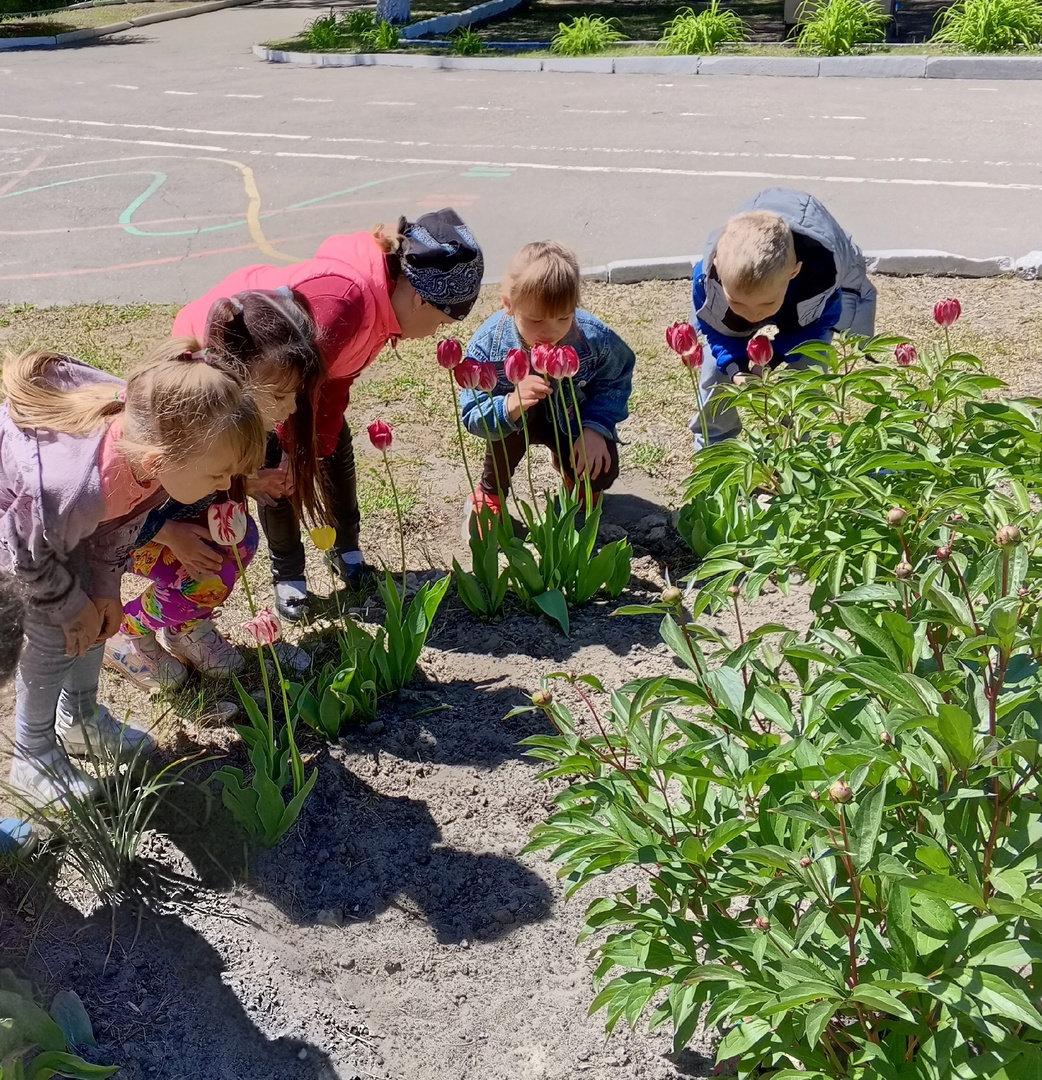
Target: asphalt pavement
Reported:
point(149, 164)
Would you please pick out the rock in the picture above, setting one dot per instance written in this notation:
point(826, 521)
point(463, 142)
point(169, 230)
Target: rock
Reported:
point(302, 1054)
point(426, 738)
point(652, 521)
point(504, 916)
point(377, 727)
point(656, 535)
point(610, 533)
point(392, 967)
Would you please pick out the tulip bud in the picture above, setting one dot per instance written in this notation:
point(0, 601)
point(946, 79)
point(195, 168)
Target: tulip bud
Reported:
point(760, 350)
point(515, 366)
point(381, 435)
point(841, 792)
point(467, 374)
point(264, 628)
point(569, 362)
point(671, 595)
point(946, 312)
point(906, 354)
point(488, 377)
point(815, 795)
point(886, 738)
point(228, 523)
point(896, 516)
point(904, 570)
point(805, 861)
point(542, 699)
point(1008, 536)
point(450, 353)
point(541, 354)
point(763, 923)
point(944, 553)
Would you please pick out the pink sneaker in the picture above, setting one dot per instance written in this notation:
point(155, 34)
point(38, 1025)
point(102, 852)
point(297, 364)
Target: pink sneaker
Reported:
point(204, 648)
point(144, 662)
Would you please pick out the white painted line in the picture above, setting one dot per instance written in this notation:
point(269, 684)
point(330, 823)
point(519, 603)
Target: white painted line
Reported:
point(182, 93)
point(250, 96)
point(155, 127)
point(407, 103)
point(112, 139)
point(838, 117)
point(315, 100)
point(596, 112)
point(123, 86)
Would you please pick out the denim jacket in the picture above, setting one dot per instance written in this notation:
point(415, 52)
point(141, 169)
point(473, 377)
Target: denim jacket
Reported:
point(602, 386)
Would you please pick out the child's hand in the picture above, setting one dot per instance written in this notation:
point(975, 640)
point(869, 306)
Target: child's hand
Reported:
point(741, 379)
point(529, 392)
point(270, 484)
point(190, 545)
point(81, 633)
point(590, 454)
point(111, 611)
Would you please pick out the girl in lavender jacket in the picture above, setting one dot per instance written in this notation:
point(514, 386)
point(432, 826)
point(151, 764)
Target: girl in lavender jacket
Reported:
point(83, 458)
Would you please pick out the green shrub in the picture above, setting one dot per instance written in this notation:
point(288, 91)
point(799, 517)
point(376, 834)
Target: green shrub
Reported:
point(836, 27)
point(323, 32)
point(384, 38)
point(467, 42)
point(585, 35)
point(696, 35)
point(990, 25)
point(355, 24)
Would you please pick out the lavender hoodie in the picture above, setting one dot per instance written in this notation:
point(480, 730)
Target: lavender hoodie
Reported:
point(52, 506)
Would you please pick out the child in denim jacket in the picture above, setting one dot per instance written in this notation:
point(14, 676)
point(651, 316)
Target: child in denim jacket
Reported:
point(541, 307)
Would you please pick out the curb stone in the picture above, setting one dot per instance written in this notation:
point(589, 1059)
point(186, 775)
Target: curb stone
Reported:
point(630, 271)
point(447, 24)
point(8, 44)
point(902, 263)
point(863, 67)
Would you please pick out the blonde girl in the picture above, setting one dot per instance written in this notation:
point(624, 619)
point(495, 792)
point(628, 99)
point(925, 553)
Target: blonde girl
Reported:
point(84, 456)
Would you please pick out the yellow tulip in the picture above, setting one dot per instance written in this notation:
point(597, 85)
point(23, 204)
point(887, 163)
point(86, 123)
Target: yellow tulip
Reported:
point(324, 537)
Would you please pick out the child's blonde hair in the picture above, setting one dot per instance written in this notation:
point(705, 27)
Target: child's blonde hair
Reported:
point(755, 249)
point(544, 277)
point(176, 404)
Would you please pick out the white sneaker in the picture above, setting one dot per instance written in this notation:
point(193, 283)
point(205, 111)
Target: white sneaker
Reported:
point(50, 779)
point(292, 660)
point(102, 735)
point(144, 662)
point(204, 648)
point(291, 600)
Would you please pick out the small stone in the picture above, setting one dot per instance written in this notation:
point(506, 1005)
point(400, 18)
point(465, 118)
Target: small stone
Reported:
point(464, 944)
point(392, 967)
point(322, 855)
point(504, 916)
point(302, 1054)
point(377, 727)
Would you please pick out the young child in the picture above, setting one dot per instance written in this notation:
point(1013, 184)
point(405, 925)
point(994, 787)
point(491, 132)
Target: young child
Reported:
point(783, 261)
point(269, 340)
point(541, 296)
point(83, 458)
point(361, 292)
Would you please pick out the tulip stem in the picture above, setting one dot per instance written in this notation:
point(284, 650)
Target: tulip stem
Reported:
point(260, 657)
point(587, 484)
point(398, 512)
point(528, 455)
point(500, 489)
point(459, 432)
point(553, 423)
point(245, 584)
point(702, 418)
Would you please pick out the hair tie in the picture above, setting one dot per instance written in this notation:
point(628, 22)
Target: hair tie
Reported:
point(120, 396)
point(201, 354)
point(236, 305)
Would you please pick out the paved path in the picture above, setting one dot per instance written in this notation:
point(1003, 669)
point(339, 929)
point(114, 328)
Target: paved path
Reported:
point(149, 165)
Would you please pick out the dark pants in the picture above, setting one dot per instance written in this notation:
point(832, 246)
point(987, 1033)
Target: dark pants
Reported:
point(502, 456)
point(340, 494)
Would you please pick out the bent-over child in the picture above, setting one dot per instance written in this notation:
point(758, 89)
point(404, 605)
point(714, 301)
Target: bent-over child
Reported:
point(783, 260)
point(541, 298)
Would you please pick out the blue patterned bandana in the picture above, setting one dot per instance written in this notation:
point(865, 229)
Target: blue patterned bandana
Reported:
point(442, 261)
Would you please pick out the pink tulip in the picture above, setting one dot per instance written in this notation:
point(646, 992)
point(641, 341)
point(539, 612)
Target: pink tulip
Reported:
point(467, 374)
point(516, 365)
point(906, 354)
point(228, 522)
point(946, 312)
point(264, 628)
point(541, 356)
point(450, 353)
point(568, 358)
point(760, 350)
point(555, 364)
point(488, 377)
point(681, 338)
point(381, 435)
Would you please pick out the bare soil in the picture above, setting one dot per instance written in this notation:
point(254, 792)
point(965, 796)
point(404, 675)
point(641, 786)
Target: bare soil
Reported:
point(398, 931)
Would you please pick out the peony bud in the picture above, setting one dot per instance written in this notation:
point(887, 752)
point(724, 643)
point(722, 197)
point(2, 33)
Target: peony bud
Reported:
point(815, 795)
point(515, 365)
point(841, 792)
point(906, 354)
point(542, 699)
point(946, 312)
point(944, 553)
point(760, 350)
point(805, 861)
point(381, 435)
point(671, 595)
point(763, 923)
point(956, 519)
point(1008, 536)
point(323, 537)
point(886, 738)
point(264, 628)
point(895, 517)
point(228, 522)
point(488, 377)
point(450, 353)
point(467, 374)
point(904, 570)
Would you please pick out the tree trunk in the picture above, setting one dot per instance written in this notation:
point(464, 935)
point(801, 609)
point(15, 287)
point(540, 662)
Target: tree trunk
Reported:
point(392, 11)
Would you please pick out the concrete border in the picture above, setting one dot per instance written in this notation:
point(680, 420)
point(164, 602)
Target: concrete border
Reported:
point(447, 24)
point(888, 262)
point(877, 66)
point(87, 33)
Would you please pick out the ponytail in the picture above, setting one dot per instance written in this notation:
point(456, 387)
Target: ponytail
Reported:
point(33, 401)
point(391, 246)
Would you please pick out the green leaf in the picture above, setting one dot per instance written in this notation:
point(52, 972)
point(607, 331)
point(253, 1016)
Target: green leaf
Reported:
point(899, 926)
point(946, 888)
point(54, 1063)
point(868, 824)
point(554, 605)
point(881, 1000)
point(956, 732)
point(31, 1026)
point(727, 688)
point(818, 1019)
point(867, 632)
point(1007, 1000)
point(69, 1014)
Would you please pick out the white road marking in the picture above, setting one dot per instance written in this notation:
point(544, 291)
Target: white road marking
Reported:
point(390, 103)
point(182, 93)
point(113, 139)
point(315, 100)
point(155, 127)
point(244, 95)
point(596, 112)
point(123, 86)
point(838, 117)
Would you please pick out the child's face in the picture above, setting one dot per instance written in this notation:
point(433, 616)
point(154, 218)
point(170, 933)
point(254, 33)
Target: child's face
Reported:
point(759, 305)
point(540, 327)
point(189, 481)
point(275, 396)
